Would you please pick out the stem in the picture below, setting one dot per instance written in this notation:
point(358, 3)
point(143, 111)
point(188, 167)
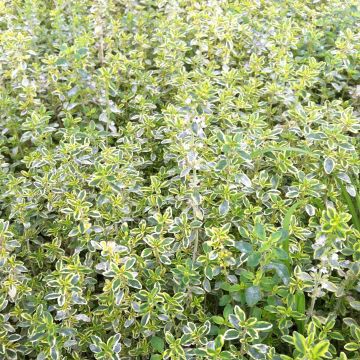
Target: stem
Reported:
point(194, 208)
point(351, 207)
point(338, 304)
point(357, 198)
point(286, 230)
point(300, 307)
point(101, 7)
point(101, 48)
point(101, 34)
point(313, 298)
point(312, 306)
point(196, 245)
point(107, 107)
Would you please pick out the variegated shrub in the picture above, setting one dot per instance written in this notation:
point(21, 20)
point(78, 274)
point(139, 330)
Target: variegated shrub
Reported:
point(179, 179)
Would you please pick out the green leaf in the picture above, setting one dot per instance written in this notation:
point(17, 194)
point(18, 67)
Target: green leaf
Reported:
point(329, 165)
point(156, 357)
point(226, 355)
point(157, 343)
point(262, 326)
point(280, 254)
point(227, 310)
point(321, 348)
point(352, 346)
point(116, 285)
point(169, 338)
point(224, 208)
point(252, 295)
point(276, 236)
point(244, 179)
point(244, 246)
point(336, 335)
point(283, 149)
point(231, 334)
point(254, 259)
point(54, 353)
point(299, 342)
point(221, 164)
point(130, 263)
point(281, 270)
point(219, 342)
point(134, 283)
point(258, 351)
point(240, 313)
point(288, 339)
point(260, 231)
point(218, 320)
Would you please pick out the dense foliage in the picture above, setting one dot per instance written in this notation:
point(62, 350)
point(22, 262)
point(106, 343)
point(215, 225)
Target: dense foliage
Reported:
point(179, 179)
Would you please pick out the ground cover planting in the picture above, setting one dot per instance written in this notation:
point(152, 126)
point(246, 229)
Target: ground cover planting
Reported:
point(179, 179)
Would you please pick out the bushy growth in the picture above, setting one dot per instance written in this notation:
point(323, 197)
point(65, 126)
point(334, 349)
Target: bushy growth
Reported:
point(179, 179)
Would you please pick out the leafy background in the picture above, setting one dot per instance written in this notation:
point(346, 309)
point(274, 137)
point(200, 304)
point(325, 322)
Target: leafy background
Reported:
point(179, 179)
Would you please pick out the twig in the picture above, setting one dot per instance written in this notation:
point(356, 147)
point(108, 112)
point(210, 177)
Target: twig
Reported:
point(313, 298)
point(194, 208)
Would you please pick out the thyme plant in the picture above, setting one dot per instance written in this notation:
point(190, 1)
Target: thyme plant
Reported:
point(179, 179)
